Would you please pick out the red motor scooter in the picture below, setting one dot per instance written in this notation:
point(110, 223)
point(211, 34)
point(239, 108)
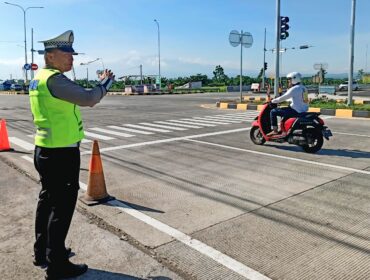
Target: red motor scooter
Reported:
point(307, 130)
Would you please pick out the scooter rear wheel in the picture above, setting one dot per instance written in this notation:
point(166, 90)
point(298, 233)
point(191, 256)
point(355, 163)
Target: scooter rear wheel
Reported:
point(316, 140)
point(256, 136)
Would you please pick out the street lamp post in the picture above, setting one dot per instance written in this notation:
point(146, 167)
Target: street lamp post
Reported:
point(87, 69)
point(102, 63)
point(159, 55)
point(351, 53)
point(25, 32)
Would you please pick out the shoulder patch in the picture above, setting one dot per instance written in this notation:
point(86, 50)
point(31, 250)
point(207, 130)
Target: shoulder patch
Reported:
point(33, 84)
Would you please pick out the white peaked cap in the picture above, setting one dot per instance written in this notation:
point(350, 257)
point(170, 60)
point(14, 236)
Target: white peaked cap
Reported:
point(62, 42)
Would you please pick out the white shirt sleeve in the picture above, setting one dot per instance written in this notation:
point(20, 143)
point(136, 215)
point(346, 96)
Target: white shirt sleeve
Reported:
point(284, 97)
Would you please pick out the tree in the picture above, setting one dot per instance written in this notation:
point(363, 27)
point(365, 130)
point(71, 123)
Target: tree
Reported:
point(219, 75)
point(360, 74)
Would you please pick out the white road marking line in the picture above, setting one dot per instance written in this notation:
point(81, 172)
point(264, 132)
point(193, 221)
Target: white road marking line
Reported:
point(163, 126)
point(130, 129)
point(147, 128)
point(27, 158)
point(98, 136)
point(237, 117)
point(203, 121)
point(21, 143)
point(177, 124)
point(241, 114)
point(351, 134)
point(193, 122)
point(216, 120)
point(195, 244)
point(111, 132)
point(167, 140)
point(283, 157)
point(225, 119)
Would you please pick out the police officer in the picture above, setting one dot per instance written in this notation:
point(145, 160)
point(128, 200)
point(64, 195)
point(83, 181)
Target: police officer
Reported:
point(55, 102)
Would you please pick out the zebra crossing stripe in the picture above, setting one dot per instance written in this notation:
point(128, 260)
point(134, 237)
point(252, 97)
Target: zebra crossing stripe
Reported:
point(233, 119)
point(98, 136)
point(111, 132)
point(130, 129)
point(192, 122)
point(215, 119)
point(21, 143)
point(164, 126)
point(203, 121)
point(178, 124)
point(147, 128)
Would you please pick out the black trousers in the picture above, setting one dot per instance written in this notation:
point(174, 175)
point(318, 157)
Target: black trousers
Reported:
point(59, 170)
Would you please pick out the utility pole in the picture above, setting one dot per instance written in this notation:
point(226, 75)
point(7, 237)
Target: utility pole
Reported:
point(351, 53)
point(159, 55)
point(264, 62)
point(32, 73)
point(367, 46)
point(277, 47)
point(141, 74)
point(241, 66)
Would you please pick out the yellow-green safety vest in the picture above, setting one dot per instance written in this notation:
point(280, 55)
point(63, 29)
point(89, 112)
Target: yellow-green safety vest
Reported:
point(58, 122)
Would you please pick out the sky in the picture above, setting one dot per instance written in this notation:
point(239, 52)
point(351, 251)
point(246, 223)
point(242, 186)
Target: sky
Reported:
point(194, 35)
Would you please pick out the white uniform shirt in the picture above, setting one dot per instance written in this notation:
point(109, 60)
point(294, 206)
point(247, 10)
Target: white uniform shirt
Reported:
point(296, 95)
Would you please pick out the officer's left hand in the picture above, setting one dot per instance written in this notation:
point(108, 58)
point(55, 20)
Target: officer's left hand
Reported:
point(106, 74)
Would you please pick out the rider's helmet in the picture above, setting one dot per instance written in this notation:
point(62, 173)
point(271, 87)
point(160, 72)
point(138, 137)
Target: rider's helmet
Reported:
point(295, 77)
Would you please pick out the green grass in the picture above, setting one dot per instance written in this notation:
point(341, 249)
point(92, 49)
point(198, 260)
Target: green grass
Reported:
point(332, 104)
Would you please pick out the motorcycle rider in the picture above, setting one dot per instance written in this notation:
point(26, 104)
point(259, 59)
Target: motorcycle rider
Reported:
point(297, 94)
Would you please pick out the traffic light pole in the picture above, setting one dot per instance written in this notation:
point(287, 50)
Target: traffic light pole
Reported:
point(264, 62)
point(241, 67)
point(277, 48)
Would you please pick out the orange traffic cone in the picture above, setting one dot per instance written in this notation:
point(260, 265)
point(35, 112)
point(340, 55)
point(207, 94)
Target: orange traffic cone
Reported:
point(4, 140)
point(96, 190)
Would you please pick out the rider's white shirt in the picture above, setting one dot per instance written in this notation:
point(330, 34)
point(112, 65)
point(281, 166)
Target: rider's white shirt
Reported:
point(296, 96)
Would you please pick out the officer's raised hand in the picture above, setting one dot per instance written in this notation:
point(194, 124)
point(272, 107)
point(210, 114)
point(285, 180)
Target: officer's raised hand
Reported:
point(106, 78)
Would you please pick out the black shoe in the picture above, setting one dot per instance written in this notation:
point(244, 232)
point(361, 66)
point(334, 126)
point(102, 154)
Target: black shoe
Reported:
point(65, 270)
point(42, 262)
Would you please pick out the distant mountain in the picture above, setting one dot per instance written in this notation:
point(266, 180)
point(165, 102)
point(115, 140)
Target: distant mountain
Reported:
point(332, 76)
point(337, 76)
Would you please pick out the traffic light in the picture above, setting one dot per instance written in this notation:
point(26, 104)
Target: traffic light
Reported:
point(265, 66)
point(284, 26)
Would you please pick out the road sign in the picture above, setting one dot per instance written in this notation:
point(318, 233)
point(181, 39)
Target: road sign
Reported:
point(244, 38)
point(34, 66)
point(27, 66)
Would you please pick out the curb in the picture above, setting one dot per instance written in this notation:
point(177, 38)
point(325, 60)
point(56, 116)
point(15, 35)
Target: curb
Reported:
point(11, 92)
point(340, 113)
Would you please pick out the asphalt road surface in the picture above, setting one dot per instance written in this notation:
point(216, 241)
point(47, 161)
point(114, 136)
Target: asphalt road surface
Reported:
point(209, 204)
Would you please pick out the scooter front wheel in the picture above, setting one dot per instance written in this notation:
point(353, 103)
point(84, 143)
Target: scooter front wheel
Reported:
point(256, 136)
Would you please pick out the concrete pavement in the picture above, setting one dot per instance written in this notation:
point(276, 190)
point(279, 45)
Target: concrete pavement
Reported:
point(109, 256)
